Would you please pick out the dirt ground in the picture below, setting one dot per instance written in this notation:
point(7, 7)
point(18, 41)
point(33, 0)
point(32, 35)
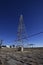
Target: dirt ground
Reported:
point(30, 56)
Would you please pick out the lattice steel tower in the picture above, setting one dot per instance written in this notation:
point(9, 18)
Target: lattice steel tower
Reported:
point(21, 34)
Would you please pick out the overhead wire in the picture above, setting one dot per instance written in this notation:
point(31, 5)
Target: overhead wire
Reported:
point(31, 35)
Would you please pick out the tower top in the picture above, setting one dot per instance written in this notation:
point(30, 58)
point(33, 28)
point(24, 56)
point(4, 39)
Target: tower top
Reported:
point(21, 17)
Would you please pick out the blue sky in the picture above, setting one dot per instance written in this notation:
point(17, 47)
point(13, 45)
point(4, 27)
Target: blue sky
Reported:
point(10, 11)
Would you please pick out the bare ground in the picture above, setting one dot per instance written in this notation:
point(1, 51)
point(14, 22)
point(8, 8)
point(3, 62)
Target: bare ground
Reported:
point(30, 56)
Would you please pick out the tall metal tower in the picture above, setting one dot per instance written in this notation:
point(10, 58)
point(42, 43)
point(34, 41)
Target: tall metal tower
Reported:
point(21, 34)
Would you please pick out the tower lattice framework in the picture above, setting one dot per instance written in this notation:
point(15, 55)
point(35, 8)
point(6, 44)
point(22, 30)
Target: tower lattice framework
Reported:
point(21, 34)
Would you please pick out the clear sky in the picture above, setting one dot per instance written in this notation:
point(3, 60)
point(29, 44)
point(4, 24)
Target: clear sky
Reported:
point(32, 11)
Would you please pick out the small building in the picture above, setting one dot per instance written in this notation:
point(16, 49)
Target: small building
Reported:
point(20, 48)
point(7, 46)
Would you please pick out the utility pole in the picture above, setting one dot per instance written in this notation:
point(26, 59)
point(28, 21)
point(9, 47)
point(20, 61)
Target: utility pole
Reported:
point(1, 42)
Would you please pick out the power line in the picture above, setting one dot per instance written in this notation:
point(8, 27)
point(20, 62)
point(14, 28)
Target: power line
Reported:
point(32, 35)
point(35, 34)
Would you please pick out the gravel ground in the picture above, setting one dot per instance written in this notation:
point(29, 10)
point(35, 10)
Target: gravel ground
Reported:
point(33, 57)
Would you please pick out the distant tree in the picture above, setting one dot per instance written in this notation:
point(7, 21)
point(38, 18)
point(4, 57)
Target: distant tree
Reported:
point(10, 46)
point(30, 45)
point(1, 42)
point(13, 46)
